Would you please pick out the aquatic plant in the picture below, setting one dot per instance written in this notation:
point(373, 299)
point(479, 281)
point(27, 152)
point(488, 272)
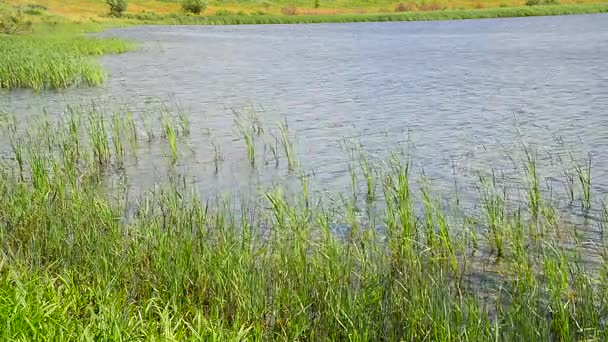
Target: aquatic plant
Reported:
point(170, 133)
point(247, 136)
point(79, 261)
point(584, 177)
point(287, 145)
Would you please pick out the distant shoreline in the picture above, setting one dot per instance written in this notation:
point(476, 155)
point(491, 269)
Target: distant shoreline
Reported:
point(506, 12)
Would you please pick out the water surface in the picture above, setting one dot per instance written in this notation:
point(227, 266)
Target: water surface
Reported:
point(465, 94)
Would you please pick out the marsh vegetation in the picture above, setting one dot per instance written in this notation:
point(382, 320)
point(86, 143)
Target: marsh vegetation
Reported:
point(87, 252)
point(52, 61)
point(392, 259)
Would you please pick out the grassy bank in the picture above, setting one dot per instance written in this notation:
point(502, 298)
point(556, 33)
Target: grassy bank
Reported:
point(373, 17)
point(80, 260)
point(82, 10)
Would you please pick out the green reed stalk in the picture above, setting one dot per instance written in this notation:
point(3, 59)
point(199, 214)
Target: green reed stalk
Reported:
point(249, 142)
point(584, 176)
point(368, 174)
point(533, 185)
point(118, 129)
point(170, 133)
point(494, 207)
point(98, 137)
point(287, 145)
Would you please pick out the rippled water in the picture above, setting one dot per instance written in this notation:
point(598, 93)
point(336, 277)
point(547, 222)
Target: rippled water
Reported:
point(466, 94)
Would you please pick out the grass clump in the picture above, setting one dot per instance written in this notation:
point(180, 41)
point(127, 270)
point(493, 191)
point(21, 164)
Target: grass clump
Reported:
point(53, 62)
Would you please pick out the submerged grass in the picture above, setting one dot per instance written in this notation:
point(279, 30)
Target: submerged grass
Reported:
point(77, 263)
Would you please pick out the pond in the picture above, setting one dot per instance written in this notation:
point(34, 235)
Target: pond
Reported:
point(462, 96)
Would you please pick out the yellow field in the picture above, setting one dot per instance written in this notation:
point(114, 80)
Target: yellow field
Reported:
point(97, 9)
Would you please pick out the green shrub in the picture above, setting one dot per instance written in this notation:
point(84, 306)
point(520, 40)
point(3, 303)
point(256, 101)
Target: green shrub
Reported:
point(117, 7)
point(194, 6)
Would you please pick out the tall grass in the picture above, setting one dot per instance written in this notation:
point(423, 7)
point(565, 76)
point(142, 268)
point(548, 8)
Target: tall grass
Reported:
point(584, 177)
point(170, 132)
point(53, 61)
point(76, 263)
point(287, 144)
point(247, 132)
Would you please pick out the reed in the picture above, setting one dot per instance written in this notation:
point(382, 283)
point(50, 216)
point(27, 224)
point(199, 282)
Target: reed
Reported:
point(118, 129)
point(287, 145)
point(76, 264)
point(217, 155)
point(170, 132)
point(248, 136)
point(97, 134)
point(368, 173)
point(584, 177)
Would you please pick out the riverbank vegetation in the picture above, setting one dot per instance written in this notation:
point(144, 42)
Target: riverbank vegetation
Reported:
point(85, 9)
point(82, 258)
point(232, 18)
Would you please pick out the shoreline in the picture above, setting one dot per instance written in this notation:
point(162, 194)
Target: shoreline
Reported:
point(490, 13)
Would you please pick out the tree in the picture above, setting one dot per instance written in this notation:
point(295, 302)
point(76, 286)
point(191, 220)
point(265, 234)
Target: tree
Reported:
point(194, 6)
point(117, 7)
